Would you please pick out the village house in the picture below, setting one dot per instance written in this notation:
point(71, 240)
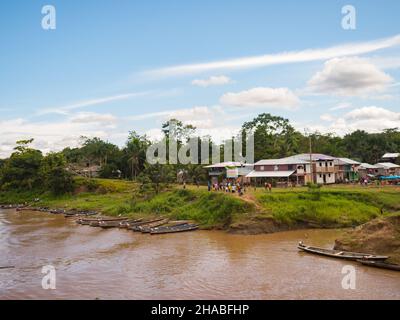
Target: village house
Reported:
point(346, 170)
point(229, 170)
point(387, 169)
point(302, 168)
point(366, 170)
point(391, 157)
point(281, 170)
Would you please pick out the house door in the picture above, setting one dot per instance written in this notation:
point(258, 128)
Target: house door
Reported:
point(324, 178)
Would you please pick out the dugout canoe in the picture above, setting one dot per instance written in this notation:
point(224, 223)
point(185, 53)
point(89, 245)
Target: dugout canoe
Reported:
point(173, 229)
point(380, 264)
point(147, 228)
point(341, 254)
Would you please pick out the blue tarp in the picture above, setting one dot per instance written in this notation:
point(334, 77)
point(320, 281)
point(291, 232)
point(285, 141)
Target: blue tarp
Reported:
point(390, 178)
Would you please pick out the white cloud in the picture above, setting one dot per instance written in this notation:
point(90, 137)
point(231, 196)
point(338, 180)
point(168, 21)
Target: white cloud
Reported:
point(372, 113)
point(272, 97)
point(201, 117)
point(349, 76)
point(341, 106)
point(350, 49)
point(92, 117)
point(370, 119)
point(64, 110)
point(52, 136)
point(386, 62)
point(211, 81)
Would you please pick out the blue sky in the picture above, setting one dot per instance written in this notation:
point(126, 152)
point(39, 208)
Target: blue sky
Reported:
point(114, 66)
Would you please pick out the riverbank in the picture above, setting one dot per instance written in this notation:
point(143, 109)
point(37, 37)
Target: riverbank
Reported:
point(379, 236)
point(258, 211)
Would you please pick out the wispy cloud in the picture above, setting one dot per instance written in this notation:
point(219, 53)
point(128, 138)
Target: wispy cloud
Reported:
point(64, 110)
point(261, 96)
point(211, 81)
point(279, 58)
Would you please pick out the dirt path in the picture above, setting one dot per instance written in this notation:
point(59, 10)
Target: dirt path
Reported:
point(250, 198)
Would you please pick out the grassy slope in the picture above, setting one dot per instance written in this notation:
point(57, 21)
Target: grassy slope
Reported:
point(341, 206)
point(335, 207)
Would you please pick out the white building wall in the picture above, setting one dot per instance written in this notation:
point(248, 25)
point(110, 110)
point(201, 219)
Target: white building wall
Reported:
point(329, 178)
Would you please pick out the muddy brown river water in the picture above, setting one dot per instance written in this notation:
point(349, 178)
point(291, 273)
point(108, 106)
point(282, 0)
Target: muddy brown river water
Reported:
point(92, 263)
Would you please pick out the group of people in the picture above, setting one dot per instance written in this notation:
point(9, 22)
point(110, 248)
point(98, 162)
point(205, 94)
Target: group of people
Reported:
point(228, 186)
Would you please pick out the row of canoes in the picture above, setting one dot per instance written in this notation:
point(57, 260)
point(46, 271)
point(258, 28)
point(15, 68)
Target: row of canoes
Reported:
point(66, 213)
point(11, 206)
point(154, 226)
point(377, 261)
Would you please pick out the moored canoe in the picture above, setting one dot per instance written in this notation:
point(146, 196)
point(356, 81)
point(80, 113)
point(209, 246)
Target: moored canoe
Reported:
point(340, 254)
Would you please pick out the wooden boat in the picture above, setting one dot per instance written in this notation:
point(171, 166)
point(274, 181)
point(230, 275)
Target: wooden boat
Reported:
point(72, 214)
point(177, 228)
point(147, 228)
point(341, 254)
point(126, 224)
point(380, 264)
point(110, 224)
point(134, 225)
point(86, 221)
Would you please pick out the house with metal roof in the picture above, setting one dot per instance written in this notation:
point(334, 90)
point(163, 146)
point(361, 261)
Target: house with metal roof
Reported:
point(391, 157)
point(303, 168)
point(366, 170)
point(280, 170)
point(228, 170)
point(388, 169)
point(346, 169)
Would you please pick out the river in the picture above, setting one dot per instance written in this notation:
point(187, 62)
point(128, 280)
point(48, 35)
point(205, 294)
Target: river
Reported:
point(92, 263)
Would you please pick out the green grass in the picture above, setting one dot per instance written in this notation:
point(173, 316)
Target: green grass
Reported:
point(209, 208)
point(334, 206)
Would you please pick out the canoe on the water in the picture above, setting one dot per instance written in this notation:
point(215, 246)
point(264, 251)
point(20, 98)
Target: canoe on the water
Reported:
point(147, 228)
point(135, 225)
point(80, 214)
point(88, 220)
point(380, 264)
point(341, 254)
point(94, 223)
point(110, 224)
point(173, 229)
point(128, 223)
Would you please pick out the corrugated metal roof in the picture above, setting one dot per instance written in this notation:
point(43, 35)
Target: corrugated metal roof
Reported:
point(269, 174)
point(314, 157)
point(390, 155)
point(367, 166)
point(347, 161)
point(387, 165)
point(267, 162)
point(229, 164)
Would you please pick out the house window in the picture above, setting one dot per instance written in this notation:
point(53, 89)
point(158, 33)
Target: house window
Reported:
point(320, 164)
point(320, 175)
point(329, 175)
point(330, 163)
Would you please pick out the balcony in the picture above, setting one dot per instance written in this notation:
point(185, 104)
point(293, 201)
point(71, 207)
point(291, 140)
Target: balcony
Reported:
point(324, 169)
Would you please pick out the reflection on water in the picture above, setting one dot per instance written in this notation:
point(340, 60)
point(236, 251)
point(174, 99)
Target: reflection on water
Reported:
point(119, 264)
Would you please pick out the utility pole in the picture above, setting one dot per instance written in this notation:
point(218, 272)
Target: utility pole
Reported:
point(311, 164)
point(310, 145)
